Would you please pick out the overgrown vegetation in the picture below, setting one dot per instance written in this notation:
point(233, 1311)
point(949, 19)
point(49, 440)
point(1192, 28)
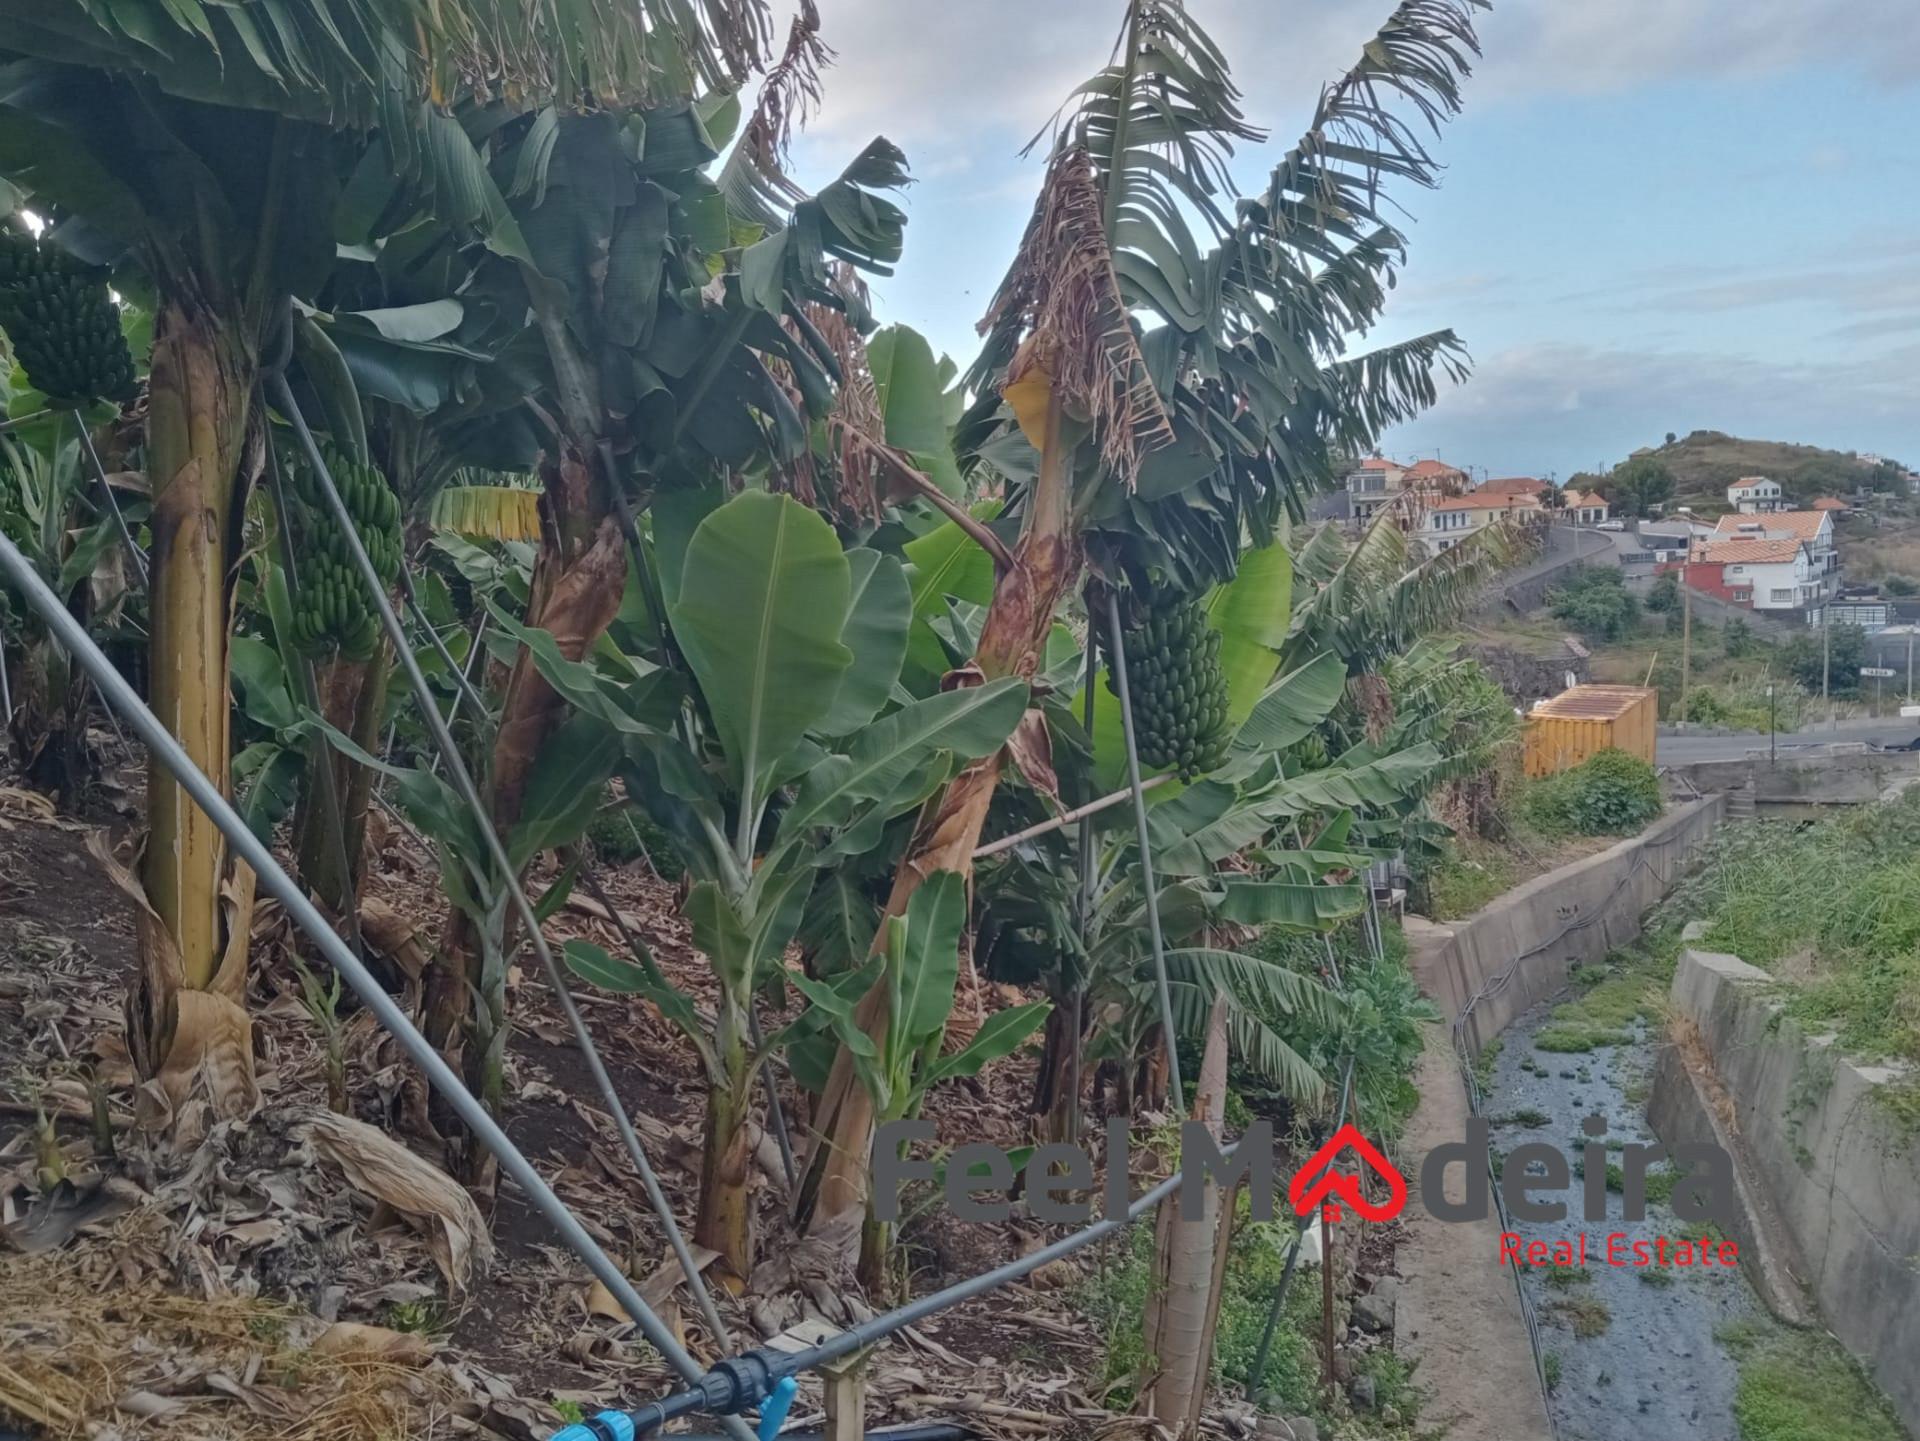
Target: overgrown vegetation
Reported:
point(1612, 793)
point(1840, 901)
point(1595, 601)
point(703, 566)
point(1802, 1386)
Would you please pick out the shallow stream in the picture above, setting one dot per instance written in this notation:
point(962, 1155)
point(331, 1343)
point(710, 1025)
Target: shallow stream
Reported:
point(1632, 1350)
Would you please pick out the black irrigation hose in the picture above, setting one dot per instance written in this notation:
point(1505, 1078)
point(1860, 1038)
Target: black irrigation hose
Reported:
point(927, 1431)
point(741, 1382)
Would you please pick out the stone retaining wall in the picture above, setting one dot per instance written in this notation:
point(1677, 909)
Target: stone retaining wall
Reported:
point(1837, 1174)
point(1517, 951)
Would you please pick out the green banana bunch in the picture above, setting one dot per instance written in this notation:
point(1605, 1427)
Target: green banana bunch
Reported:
point(332, 610)
point(1179, 691)
point(63, 323)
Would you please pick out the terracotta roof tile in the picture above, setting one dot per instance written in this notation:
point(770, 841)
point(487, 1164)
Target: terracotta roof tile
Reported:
point(1801, 524)
point(1746, 552)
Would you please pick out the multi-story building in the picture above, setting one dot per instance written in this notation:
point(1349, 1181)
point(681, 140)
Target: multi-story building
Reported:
point(1445, 522)
point(1755, 572)
point(1813, 527)
point(1373, 482)
point(1755, 495)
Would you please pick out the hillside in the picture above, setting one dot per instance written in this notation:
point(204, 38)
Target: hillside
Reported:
point(1705, 462)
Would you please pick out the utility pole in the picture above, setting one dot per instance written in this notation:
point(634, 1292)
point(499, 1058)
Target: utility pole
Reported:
point(1773, 749)
point(1686, 641)
point(1910, 630)
point(1826, 661)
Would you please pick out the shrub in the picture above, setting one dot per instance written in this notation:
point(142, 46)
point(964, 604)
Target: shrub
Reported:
point(1595, 601)
point(624, 834)
point(1665, 593)
point(1901, 585)
point(1612, 793)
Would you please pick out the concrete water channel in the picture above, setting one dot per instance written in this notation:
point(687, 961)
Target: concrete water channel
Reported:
point(1633, 1349)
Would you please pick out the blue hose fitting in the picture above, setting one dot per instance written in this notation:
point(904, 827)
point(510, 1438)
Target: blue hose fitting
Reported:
point(607, 1426)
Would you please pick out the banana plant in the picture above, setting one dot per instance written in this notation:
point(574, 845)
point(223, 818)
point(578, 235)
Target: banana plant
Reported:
point(1165, 370)
point(787, 754)
point(45, 509)
point(918, 964)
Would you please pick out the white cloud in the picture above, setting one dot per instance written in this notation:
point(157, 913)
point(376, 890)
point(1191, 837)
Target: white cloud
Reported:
point(953, 74)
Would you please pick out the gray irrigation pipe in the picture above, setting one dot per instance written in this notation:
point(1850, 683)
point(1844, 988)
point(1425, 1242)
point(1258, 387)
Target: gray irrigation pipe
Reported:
point(278, 884)
point(741, 1381)
point(463, 781)
point(100, 473)
point(1118, 660)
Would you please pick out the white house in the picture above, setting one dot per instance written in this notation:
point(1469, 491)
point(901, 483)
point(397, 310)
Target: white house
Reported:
point(1758, 573)
point(1814, 527)
point(1755, 495)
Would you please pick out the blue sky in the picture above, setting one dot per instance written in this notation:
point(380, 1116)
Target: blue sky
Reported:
point(1657, 214)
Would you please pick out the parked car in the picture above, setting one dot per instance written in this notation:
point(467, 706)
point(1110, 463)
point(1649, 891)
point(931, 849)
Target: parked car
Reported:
point(1611, 525)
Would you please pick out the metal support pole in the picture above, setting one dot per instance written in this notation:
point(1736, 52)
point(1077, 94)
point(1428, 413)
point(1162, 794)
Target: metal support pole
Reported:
point(277, 883)
point(523, 908)
point(1260, 1356)
point(113, 505)
point(1083, 916)
point(20, 420)
point(1118, 659)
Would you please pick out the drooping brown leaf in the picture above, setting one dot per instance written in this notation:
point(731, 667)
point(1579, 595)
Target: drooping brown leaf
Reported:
point(381, 1167)
point(1063, 287)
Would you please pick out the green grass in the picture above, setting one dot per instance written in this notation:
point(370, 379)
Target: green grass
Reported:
point(1801, 1386)
point(1659, 1277)
point(1838, 902)
point(1576, 1040)
point(1460, 884)
point(1528, 1116)
point(1483, 1063)
point(1561, 1277)
point(1585, 1316)
point(1114, 1301)
point(1550, 1364)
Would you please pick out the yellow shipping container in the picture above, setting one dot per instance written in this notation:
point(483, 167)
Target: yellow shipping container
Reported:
point(1577, 723)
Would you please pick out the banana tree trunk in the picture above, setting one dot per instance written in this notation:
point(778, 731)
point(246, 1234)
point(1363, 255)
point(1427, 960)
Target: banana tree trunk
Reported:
point(578, 579)
point(329, 867)
point(724, 1219)
point(193, 1032)
point(1059, 1080)
point(1183, 1305)
point(1046, 564)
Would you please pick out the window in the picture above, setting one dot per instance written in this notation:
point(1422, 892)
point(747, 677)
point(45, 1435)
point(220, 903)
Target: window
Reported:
point(1783, 597)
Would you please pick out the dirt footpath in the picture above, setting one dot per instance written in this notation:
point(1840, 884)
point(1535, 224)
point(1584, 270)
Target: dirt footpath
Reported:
point(1458, 1314)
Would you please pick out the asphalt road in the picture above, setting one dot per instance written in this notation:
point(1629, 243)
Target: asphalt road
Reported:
point(1685, 750)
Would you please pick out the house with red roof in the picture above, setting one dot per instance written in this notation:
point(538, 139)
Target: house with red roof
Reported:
point(1814, 527)
point(1755, 572)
